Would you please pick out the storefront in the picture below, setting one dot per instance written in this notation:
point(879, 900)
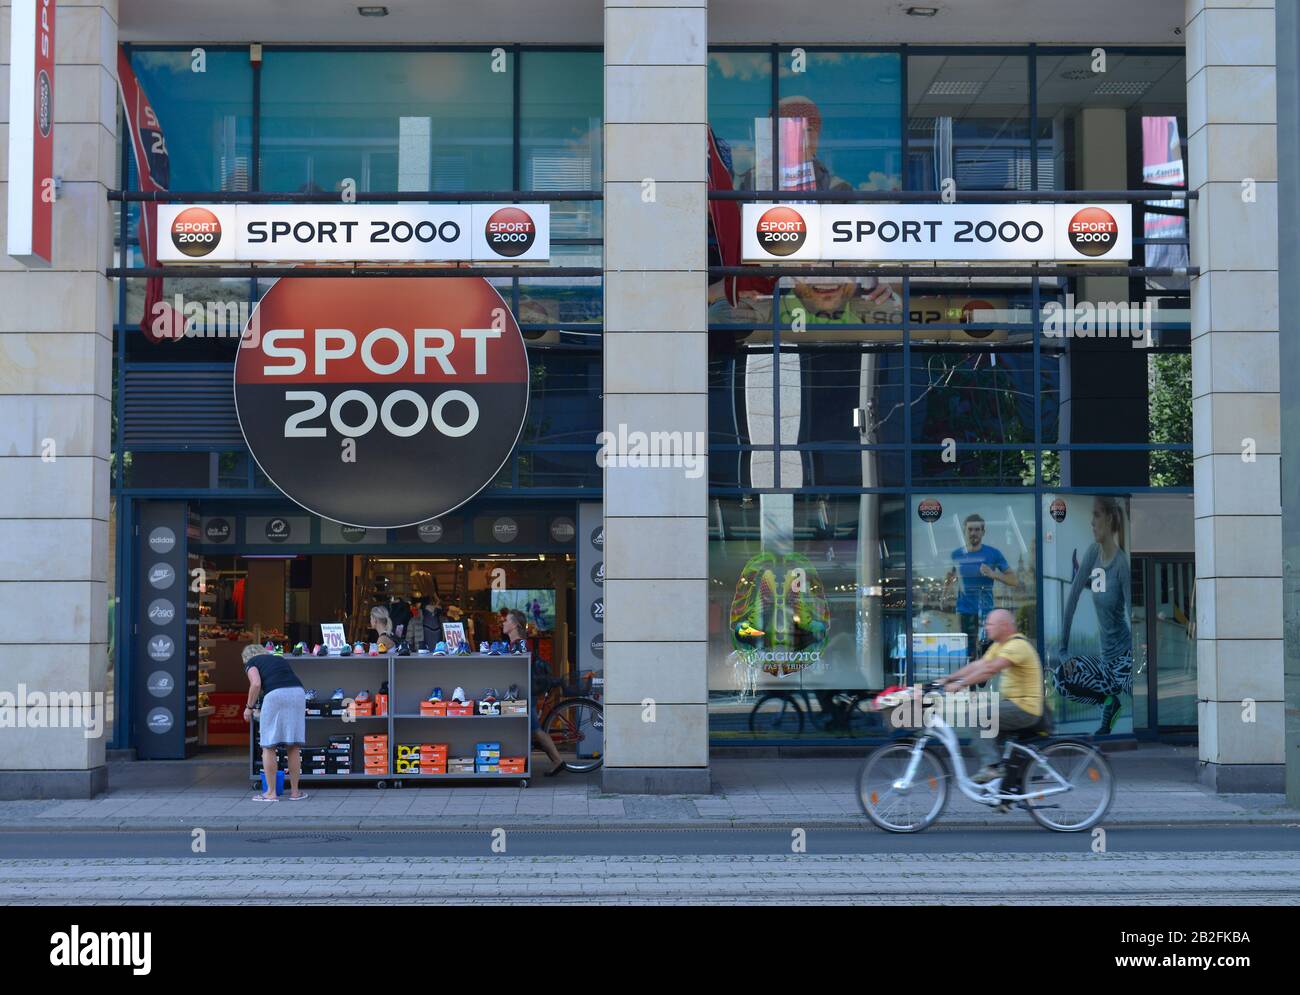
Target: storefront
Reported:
point(871, 451)
point(914, 413)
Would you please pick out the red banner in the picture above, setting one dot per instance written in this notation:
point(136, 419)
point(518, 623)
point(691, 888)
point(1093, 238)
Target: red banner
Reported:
point(31, 132)
point(153, 169)
point(228, 717)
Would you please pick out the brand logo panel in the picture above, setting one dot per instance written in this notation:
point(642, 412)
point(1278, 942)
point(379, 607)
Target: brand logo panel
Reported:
point(382, 403)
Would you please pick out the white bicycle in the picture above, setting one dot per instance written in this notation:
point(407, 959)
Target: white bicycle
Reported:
point(1065, 784)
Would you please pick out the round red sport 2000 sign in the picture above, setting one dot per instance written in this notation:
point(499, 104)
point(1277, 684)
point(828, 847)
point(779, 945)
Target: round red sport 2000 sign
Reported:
point(381, 402)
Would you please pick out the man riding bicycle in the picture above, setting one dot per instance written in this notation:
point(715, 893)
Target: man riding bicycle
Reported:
point(1021, 704)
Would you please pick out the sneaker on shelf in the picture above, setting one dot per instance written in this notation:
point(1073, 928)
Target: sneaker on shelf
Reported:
point(310, 693)
point(346, 650)
point(362, 696)
point(519, 648)
point(489, 694)
point(424, 649)
point(337, 696)
point(403, 648)
point(359, 649)
point(484, 648)
point(458, 695)
point(462, 649)
point(374, 649)
point(440, 649)
point(513, 693)
point(320, 649)
point(269, 647)
point(435, 695)
point(383, 688)
point(299, 648)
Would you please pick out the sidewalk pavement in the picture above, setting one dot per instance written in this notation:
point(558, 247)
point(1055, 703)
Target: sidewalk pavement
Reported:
point(1156, 786)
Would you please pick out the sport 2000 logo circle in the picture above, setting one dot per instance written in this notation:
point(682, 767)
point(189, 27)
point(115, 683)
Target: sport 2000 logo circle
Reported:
point(196, 231)
point(782, 231)
point(384, 402)
point(1093, 231)
point(510, 231)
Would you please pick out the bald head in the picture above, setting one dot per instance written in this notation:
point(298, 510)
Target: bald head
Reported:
point(1000, 625)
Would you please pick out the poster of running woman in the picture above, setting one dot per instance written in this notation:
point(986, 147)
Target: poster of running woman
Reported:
point(1088, 613)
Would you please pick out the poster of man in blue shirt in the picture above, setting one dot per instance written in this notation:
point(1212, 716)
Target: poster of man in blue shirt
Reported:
point(975, 568)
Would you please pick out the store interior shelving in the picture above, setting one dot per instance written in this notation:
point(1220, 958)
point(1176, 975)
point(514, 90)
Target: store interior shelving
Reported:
point(411, 679)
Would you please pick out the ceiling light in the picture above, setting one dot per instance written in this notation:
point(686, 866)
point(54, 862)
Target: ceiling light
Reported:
point(922, 11)
point(1130, 88)
point(954, 87)
point(373, 11)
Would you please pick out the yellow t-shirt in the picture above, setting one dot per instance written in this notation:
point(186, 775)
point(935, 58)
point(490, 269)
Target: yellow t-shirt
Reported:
point(1022, 682)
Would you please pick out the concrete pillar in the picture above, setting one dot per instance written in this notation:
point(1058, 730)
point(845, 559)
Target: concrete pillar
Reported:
point(1288, 147)
point(56, 341)
point(656, 381)
point(1232, 164)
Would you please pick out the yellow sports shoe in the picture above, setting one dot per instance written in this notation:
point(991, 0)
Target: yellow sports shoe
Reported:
point(747, 631)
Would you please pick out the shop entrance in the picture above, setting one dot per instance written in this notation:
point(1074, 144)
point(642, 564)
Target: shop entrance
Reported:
point(284, 599)
point(270, 574)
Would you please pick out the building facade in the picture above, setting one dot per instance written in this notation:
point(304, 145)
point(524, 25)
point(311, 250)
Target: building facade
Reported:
point(747, 497)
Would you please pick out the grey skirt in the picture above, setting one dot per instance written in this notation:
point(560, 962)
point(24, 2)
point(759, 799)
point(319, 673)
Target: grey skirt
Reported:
point(284, 717)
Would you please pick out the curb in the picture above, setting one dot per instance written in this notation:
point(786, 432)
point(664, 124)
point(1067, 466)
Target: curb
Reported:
point(512, 824)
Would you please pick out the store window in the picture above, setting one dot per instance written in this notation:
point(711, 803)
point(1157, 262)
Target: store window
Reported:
point(971, 553)
point(386, 121)
point(968, 122)
point(806, 609)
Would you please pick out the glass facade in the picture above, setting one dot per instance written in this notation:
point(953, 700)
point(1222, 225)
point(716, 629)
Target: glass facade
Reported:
point(906, 443)
point(860, 429)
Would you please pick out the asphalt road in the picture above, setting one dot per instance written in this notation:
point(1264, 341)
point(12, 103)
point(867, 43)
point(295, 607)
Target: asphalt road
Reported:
point(635, 842)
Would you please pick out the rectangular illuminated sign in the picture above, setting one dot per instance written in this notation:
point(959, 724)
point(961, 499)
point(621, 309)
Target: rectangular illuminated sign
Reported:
point(220, 233)
point(975, 233)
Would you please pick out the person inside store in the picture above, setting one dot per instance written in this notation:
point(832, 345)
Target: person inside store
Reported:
point(515, 630)
point(425, 627)
point(382, 623)
point(282, 718)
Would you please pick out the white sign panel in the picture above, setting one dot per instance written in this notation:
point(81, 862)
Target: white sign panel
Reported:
point(222, 233)
point(937, 232)
point(332, 634)
point(30, 227)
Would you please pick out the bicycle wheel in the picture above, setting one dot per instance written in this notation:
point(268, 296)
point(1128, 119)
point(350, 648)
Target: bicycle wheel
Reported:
point(1091, 787)
point(577, 728)
point(776, 715)
point(902, 810)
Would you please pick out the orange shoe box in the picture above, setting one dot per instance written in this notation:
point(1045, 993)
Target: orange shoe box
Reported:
point(459, 711)
point(438, 708)
point(381, 704)
point(376, 750)
point(363, 709)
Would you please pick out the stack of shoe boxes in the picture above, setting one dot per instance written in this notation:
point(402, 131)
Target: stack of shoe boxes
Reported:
point(487, 759)
point(376, 754)
point(421, 758)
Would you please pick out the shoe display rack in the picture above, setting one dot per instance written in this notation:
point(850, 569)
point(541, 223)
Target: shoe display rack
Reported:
point(411, 679)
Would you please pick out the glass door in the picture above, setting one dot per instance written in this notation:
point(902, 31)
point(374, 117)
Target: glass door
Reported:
point(1164, 643)
point(1171, 627)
